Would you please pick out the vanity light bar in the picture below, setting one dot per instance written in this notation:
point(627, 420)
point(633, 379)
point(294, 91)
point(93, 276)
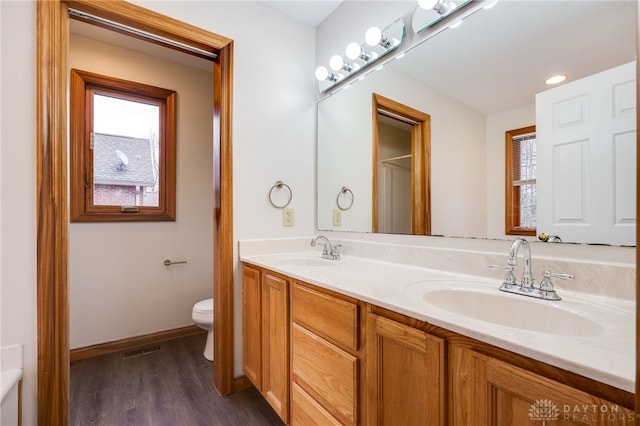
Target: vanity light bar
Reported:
point(424, 26)
point(84, 16)
point(378, 44)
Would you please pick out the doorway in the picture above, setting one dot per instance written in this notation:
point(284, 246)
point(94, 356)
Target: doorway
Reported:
point(394, 175)
point(401, 168)
point(52, 211)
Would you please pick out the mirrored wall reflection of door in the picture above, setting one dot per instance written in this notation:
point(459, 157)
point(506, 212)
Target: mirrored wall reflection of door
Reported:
point(401, 168)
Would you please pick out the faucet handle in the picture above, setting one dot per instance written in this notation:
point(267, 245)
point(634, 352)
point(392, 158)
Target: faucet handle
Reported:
point(546, 286)
point(334, 252)
point(509, 278)
point(547, 275)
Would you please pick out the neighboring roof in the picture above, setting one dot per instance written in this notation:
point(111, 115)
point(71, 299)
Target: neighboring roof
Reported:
point(109, 168)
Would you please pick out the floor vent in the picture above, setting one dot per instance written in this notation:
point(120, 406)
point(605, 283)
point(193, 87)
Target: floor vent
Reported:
point(141, 351)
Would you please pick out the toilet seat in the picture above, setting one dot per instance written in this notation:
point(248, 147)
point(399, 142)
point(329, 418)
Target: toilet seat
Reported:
point(204, 307)
point(203, 313)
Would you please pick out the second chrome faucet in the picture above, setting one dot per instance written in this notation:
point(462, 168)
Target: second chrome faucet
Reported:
point(330, 251)
point(526, 286)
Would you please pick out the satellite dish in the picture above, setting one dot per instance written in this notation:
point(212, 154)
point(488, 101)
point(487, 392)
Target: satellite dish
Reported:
point(122, 156)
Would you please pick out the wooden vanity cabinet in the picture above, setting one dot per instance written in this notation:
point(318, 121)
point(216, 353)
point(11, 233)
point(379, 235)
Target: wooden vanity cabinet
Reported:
point(406, 373)
point(322, 358)
point(325, 357)
point(488, 391)
point(265, 314)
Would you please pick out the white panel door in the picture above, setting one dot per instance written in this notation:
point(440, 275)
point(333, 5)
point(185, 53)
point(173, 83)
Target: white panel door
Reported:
point(586, 135)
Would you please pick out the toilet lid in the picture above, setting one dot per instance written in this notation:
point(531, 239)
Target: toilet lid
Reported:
point(204, 306)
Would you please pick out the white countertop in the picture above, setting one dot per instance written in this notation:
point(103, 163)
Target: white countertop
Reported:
point(607, 356)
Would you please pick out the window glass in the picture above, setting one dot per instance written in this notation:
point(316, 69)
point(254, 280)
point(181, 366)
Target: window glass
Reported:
point(520, 181)
point(125, 152)
point(525, 178)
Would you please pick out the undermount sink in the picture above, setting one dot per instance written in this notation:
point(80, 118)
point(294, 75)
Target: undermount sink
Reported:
point(513, 311)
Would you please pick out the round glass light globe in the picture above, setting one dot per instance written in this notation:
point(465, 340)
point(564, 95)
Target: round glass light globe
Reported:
point(353, 51)
point(427, 4)
point(373, 36)
point(336, 62)
point(322, 73)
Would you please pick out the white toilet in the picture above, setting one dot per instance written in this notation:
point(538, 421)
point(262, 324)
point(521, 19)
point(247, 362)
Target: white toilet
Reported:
point(202, 315)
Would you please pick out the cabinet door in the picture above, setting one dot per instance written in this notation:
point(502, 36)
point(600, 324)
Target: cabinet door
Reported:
point(275, 344)
point(508, 395)
point(252, 325)
point(405, 375)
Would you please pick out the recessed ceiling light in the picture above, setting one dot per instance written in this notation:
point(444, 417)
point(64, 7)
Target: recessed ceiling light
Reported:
point(555, 79)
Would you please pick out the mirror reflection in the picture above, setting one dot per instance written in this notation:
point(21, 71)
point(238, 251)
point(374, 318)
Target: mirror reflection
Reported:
point(476, 84)
point(401, 175)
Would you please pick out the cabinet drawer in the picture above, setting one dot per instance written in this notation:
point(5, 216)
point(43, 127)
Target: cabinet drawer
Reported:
point(328, 316)
point(326, 372)
point(307, 412)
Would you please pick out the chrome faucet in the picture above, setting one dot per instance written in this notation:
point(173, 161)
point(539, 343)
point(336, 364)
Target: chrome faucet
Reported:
point(330, 251)
point(527, 287)
point(527, 278)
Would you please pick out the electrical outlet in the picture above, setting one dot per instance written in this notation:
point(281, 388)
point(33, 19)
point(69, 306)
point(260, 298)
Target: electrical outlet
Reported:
point(287, 217)
point(337, 217)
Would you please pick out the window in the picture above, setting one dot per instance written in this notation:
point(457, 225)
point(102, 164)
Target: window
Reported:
point(520, 180)
point(123, 150)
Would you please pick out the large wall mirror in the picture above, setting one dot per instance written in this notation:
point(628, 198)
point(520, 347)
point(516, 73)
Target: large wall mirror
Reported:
point(475, 82)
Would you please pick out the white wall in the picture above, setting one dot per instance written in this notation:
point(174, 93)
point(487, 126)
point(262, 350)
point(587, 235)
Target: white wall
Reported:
point(17, 178)
point(118, 285)
point(273, 118)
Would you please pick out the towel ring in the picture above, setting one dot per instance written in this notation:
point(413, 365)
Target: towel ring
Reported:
point(344, 190)
point(279, 184)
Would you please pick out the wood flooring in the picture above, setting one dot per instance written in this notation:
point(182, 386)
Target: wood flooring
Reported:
point(160, 385)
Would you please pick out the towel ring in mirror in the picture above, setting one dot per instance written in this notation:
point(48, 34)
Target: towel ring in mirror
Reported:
point(343, 191)
point(279, 184)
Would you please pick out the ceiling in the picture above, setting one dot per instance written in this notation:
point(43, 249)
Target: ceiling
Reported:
point(499, 58)
point(311, 12)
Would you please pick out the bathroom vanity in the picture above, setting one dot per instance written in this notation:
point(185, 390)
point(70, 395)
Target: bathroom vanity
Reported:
point(354, 342)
